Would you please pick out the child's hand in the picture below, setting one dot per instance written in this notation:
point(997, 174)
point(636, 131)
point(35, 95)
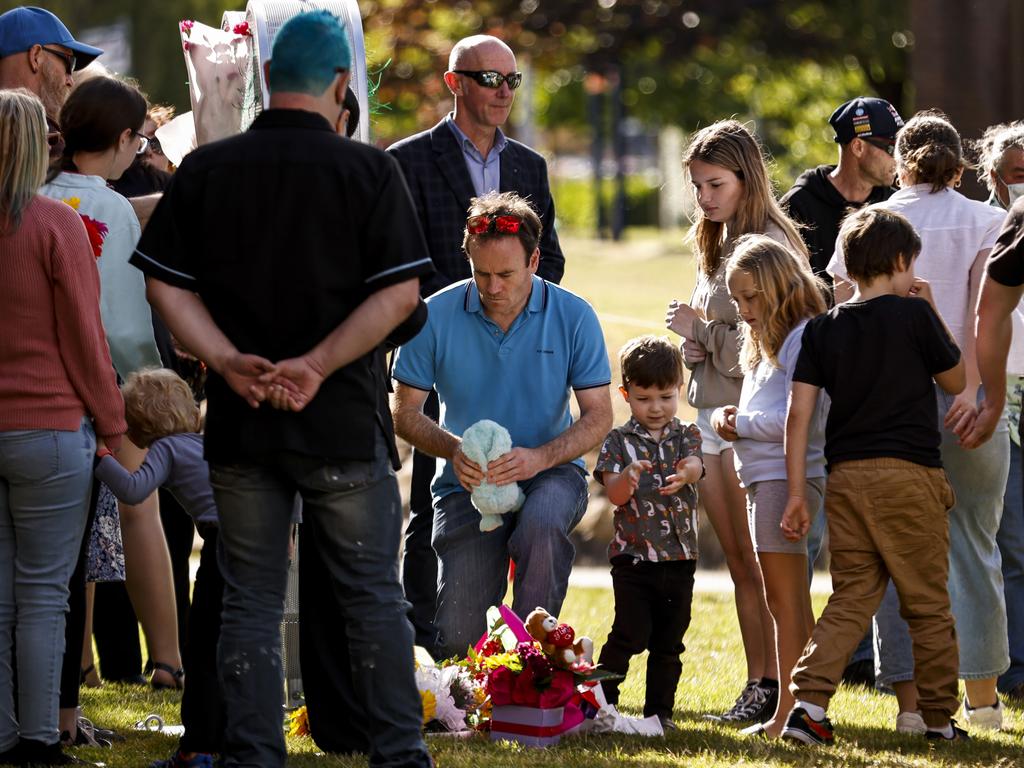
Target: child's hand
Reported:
point(688, 471)
point(679, 318)
point(795, 520)
point(922, 288)
point(633, 472)
point(724, 421)
point(694, 352)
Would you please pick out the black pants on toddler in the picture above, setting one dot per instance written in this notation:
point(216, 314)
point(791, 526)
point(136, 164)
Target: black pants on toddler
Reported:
point(652, 613)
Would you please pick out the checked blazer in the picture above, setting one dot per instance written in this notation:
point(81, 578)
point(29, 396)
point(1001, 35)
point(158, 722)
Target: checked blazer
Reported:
point(435, 170)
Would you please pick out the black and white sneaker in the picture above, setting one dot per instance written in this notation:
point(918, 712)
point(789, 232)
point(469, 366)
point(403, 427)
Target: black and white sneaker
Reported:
point(755, 705)
point(959, 734)
point(802, 727)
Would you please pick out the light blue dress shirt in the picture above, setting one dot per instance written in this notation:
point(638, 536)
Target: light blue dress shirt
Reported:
point(485, 173)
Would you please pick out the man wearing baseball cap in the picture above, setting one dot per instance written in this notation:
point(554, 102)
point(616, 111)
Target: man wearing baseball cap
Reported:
point(865, 129)
point(38, 52)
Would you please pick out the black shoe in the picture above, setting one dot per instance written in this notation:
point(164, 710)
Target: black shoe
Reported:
point(768, 705)
point(667, 723)
point(1015, 695)
point(860, 673)
point(35, 753)
point(959, 734)
point(748, 698)
point(11, 756)
point(802, 727)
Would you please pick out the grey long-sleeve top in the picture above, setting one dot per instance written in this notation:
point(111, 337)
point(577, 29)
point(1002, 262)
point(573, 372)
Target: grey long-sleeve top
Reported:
point(175, 462)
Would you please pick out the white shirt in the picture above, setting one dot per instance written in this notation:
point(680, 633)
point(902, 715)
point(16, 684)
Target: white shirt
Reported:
point(114, 232)
point(953, 230)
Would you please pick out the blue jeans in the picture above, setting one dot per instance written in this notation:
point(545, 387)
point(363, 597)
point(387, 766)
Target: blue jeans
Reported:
point(1011, 546)
point(473, 566)
point(353, 513)
point(45, 479)
point(978, 478)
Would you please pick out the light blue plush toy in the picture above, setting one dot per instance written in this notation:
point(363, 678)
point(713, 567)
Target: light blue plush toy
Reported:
point(484, 442)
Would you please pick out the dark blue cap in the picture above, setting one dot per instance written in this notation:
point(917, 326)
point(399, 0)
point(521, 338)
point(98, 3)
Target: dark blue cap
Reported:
point(26, 26)
point(864, 117)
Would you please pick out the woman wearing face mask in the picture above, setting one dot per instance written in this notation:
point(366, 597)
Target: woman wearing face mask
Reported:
point(956, 235)
point(102, 121)
point(734, 198)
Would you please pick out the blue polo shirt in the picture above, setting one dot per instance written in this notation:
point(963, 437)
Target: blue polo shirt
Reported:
point(521, 379)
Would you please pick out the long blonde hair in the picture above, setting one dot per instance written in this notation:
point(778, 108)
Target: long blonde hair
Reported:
point(728, 144)
point(789, 293)
point(24, 154)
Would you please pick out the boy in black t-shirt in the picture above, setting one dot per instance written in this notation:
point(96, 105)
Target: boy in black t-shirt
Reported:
point(887, 495)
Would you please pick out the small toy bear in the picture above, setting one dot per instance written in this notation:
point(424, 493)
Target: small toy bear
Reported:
point(558, 641)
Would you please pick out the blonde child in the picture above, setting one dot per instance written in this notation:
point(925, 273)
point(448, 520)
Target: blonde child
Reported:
point(163, 417)
point(775, 293)
point(649, 467)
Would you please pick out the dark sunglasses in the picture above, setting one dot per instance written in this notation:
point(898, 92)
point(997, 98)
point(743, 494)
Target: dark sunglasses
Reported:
point(154, 145)
point(886, 145)
point(488, 78)
point(503, 225)
point(69, 59)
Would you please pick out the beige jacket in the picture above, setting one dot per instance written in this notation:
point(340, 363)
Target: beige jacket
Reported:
point(718, 379)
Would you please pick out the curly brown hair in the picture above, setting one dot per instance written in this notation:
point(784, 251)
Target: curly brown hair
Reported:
point(158, 403)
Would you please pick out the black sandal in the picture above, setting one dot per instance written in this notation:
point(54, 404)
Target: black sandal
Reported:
point(177, 674)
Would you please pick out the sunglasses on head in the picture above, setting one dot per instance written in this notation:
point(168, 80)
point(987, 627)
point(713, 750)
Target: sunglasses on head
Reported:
point(503, 225)
point(69, 59)
point(886, 145)
point(489, 78)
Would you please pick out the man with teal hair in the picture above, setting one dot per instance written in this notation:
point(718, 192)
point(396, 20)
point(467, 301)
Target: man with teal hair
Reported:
point(283, 257)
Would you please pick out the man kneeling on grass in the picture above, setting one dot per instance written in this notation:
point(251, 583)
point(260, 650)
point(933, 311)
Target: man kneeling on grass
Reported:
point(887, 496)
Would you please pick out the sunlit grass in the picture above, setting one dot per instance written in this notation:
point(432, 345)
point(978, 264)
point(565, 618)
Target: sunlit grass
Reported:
point(713, 673)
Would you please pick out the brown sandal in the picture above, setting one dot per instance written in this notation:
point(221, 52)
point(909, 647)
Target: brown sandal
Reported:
point(177, 674)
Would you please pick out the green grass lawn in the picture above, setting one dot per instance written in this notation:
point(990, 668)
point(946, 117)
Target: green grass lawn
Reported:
point(712, 675)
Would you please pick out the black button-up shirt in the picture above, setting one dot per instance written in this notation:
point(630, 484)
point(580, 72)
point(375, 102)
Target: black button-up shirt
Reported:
point(283, 231)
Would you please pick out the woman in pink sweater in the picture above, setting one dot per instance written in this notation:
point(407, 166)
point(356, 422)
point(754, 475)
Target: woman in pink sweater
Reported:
point(58, 392)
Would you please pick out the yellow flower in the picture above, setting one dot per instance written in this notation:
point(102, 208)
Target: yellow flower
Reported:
point(298, 722)
point(74, 202)
point(429, 706)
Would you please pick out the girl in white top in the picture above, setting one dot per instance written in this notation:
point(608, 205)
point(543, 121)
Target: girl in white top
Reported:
point(734, 198)
point(776, 294)
point(956, 235)
point(101, 122)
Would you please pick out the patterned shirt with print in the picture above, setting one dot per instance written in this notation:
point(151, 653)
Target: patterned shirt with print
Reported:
point(650, 526)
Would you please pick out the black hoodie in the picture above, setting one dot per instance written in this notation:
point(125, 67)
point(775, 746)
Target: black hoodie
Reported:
point(816, 204)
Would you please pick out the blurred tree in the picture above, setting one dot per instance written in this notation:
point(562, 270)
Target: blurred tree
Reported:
point(784, 63)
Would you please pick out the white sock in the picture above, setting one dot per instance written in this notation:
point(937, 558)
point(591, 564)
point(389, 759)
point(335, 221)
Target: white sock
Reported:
point(946, 732)
point(816, 712)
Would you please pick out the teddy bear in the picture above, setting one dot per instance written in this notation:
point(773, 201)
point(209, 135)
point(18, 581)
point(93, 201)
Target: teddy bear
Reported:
point(558, 641)
point(483, 442)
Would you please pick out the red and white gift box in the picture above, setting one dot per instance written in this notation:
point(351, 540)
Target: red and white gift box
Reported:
point(530, 726)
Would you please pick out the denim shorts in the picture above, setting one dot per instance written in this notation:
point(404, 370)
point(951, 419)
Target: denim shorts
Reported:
point(711, 443)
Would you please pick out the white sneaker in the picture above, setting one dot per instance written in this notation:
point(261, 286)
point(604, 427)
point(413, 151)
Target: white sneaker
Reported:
point(987, 718)
point(910, 722)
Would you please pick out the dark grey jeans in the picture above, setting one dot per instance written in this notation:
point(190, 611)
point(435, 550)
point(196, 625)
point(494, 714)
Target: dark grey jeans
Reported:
point(356, 514)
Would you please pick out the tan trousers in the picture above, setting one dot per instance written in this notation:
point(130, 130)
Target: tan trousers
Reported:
point(887, 518)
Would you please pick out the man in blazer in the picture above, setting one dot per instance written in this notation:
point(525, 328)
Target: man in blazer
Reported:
point(464, 156)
